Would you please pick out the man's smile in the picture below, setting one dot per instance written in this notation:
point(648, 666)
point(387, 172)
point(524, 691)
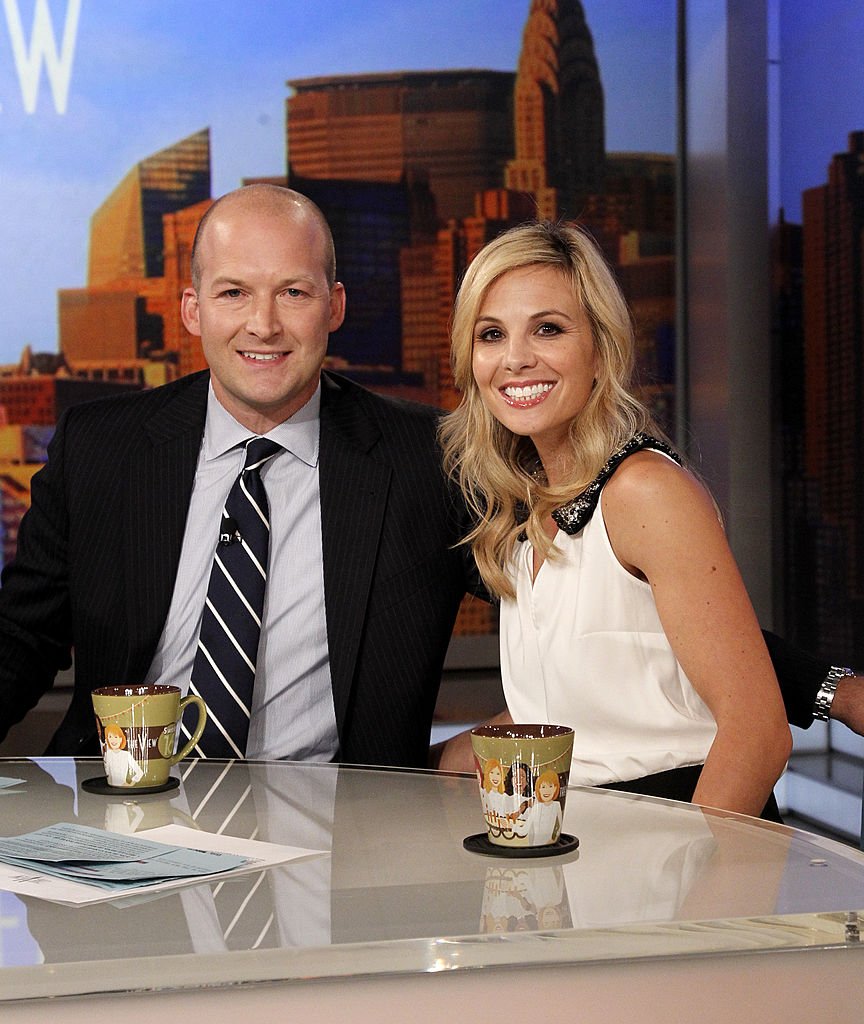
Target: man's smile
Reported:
point(263, 357)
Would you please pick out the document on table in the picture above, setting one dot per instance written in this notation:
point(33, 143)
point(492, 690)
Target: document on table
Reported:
point(51, 863)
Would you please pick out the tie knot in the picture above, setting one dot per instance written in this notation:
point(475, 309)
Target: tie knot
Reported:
point(258, 451)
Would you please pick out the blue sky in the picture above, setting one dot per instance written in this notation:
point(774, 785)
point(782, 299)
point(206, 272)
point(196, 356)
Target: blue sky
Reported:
point(821, 91)
point(146, 73)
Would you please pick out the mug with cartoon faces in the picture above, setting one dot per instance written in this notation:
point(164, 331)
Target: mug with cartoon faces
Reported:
point(138, 730)
point(522, 773)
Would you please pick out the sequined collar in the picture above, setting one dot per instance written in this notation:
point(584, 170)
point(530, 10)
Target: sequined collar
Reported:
point(572, 517)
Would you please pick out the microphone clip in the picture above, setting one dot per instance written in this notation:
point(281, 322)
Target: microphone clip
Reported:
point(228, 532)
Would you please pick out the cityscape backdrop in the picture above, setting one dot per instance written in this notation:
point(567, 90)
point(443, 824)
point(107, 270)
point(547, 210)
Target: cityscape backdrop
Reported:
point(134, 77)
point(415, 169)
point(422, 133)
point(818, 274)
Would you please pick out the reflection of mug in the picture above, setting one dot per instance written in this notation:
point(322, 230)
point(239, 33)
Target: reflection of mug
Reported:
point(522, 771)
point(524, 899)
point(137, 732)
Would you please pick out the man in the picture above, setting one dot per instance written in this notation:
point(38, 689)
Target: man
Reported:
point(366, 578)
point(366, 573)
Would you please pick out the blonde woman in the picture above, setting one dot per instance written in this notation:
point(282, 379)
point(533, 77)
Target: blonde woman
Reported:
point(623, 613)
point(495, 799)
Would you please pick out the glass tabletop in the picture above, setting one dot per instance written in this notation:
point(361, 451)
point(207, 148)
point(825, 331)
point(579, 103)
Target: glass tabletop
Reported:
point(397, 892)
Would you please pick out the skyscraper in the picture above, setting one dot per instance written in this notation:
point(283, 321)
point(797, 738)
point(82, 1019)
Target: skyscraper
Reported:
point(117, 323)
point(126, 231)
point(452, 129)
point(833, 253)
point(559, 110)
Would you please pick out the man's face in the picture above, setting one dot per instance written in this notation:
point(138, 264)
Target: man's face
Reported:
point(263, 310)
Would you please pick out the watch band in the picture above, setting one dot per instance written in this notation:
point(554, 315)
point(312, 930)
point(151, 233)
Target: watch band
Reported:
point(825, 696)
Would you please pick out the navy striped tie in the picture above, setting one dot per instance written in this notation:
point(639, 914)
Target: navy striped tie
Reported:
point(224, 670)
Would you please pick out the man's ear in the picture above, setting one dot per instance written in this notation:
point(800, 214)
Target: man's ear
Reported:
point(337, 305)
point(189, 311)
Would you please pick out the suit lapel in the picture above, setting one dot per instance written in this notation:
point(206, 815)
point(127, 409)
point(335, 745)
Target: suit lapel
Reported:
point(159, 483)
point(354, 488)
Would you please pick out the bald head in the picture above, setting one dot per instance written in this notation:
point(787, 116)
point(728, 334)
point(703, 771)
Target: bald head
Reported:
point(274, 201)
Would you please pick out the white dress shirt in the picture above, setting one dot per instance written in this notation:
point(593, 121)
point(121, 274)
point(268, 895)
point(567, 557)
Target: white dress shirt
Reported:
point(292, 704)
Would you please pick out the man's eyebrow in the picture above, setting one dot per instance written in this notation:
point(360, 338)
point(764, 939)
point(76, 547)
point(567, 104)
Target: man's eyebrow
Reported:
point(288, 282)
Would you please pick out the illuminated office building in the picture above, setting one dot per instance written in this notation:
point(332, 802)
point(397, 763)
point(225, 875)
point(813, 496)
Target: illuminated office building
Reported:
point(121, 321)
point(179, 233)
point(559, 111)
point(833, 270)
point(126, 231)
point(453, 129)
point(40, 400)
point(372, 222)
point(122, 325)
point(14, 502)
point(638, 196)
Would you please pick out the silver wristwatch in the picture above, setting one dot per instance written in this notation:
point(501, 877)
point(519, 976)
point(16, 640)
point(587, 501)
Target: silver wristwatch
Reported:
point(825, 696)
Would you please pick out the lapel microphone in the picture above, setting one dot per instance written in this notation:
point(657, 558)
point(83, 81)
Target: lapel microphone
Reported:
point(228, 532)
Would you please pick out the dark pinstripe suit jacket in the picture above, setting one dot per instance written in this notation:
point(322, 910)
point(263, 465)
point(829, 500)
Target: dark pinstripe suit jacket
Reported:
point(98, 554)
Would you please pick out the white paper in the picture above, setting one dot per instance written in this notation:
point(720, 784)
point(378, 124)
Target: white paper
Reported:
point(109, 860)
point(259, 855)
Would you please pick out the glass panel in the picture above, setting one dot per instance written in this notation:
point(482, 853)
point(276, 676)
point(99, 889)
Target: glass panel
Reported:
point(818, 252)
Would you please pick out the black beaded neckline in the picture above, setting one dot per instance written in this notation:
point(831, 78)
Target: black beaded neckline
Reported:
point(576, 513)
point(572, 517)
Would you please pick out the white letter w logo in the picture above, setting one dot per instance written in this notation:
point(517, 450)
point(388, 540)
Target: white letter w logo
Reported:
point(43, 46)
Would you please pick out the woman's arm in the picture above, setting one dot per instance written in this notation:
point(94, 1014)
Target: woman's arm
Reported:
point(456, 754)
point(664, 528)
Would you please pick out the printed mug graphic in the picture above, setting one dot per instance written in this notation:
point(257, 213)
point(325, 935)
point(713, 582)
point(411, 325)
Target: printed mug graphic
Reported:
point(121, 768)
point(517, 805)
point(127, 753)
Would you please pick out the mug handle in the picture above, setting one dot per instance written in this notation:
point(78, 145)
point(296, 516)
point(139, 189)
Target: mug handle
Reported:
point(193, 698)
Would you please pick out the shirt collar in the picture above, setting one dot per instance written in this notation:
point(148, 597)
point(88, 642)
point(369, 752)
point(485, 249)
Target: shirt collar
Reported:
point(299, 434)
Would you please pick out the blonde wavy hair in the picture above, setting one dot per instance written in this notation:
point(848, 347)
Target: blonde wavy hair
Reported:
point(498, 471)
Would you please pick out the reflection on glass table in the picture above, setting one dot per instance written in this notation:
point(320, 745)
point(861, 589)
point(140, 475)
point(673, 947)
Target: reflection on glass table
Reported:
point(398, 894)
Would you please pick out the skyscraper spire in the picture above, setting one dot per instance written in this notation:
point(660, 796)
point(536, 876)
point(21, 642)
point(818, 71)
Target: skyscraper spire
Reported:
point(559, 110)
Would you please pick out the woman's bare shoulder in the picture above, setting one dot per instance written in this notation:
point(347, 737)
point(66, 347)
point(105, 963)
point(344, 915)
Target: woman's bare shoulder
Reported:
point(649, 476)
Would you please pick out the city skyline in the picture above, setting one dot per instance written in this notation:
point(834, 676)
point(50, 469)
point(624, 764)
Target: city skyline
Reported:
point(138, 81)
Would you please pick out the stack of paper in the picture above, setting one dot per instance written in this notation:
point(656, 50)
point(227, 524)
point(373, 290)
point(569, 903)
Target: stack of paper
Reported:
point(70, 863)
point(108, 860)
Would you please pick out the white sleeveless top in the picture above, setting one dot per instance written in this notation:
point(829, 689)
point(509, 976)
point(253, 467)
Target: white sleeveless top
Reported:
point(583, 647)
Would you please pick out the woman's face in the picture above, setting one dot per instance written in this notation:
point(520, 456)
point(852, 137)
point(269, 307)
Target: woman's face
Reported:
point(495, 776)
point(114, 741)
point(533, 356)
point(546, 792)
